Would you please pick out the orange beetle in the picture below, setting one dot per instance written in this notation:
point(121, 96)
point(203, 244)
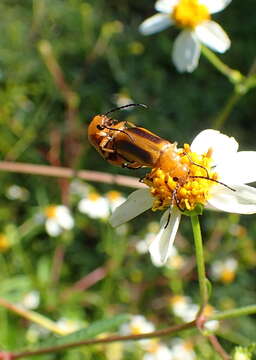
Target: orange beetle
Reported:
point(124, 144)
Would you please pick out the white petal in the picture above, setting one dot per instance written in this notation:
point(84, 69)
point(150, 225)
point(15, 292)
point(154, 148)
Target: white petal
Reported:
point(166, 6)
point(64, 217)
point(223, 147)
point(186, 51)
point(161, 246)
point(240, 168)
point(155, 23)
point(136, 203)
point(212, 35)
point(215, 6)
point(52, 227)
point(240, 201)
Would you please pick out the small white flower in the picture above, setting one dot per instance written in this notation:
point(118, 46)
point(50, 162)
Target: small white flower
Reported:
point(58, 219)
point(183, 307)
point(115, 199)
point(95, 206)
point(69, 325)
point(194, 17)
point(157, 351)
point(175, 261)
point(182, 350)
point(31, 300)
point(16, 192)
point(224, 270)
point(211, 325)
point(232, 167)
point(137, 325)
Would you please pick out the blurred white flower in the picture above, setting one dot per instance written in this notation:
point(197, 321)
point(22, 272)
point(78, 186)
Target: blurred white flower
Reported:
point(183, 307)
point(211, 325)
point(57, 219)
point(175, 261)
point(122, 99)
point(36, 332)
point(137, 325)
point(194, 17)
point(68, 325)
point(224, 270)
point(31, 300)
point(155, 350)
point(182, 350)
point(16, 192)
point(115, 199)
point(95, 206)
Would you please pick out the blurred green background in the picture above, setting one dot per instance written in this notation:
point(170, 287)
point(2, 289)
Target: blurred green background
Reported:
point(62, 62)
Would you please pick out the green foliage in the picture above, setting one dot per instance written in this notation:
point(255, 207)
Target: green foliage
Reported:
point(62, 62)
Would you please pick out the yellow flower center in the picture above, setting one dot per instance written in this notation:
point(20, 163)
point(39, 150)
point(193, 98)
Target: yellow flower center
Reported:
point(227, 276)
point(50, 211)
point(4, 243)
point(113, 195)
point(185, 184)
point(93, 196)
point(190, 13)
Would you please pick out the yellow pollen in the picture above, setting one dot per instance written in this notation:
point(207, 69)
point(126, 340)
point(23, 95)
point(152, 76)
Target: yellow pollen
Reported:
point(113, 195)
point(94, 196)
point(190, 13)
point(227, 276)
point(50, 211)
point(184, 188)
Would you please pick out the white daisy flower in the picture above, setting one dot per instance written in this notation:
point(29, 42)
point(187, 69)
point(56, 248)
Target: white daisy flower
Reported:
point(137, 325)
point(31, 300)
point(212, 157)
point(16, 192)
point(194, 17)
point(224, 270)
point(183, 307)
point(58, 219)
point(115, 199)
point(95, 206)
point(182, 350)
point(69, 325)
point(157, 351)
point(211, 325)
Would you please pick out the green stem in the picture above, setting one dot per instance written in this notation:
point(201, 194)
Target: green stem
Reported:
point(200, 260)
point(234, 76)
point(246, 310)
point(226, 111)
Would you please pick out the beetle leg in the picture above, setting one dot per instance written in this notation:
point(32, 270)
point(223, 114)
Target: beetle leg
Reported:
point(133, 166)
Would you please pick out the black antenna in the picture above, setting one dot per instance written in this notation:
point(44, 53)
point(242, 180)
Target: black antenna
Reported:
point(125, 106)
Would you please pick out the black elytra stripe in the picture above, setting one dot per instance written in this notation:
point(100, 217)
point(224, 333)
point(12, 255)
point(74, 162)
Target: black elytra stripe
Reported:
point(145, 134)
point(133, 149)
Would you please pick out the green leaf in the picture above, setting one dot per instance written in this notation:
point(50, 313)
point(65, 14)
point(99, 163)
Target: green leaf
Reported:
point(96, 328)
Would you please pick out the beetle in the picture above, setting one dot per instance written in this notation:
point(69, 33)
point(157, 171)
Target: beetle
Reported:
point(127, 145)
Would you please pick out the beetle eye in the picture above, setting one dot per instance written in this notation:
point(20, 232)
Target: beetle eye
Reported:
point(175, 178)
point(100, 127)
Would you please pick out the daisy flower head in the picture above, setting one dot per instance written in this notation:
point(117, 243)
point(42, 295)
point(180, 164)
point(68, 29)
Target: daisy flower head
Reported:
point(210, 173)
point(58, 218)
point(194, 18)
point(182, 350)
point(94, 205)
point(155, 350)
point(224, 270)
point(138, 324)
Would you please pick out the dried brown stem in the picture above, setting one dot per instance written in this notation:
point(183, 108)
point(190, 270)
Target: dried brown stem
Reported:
point(64, 172)
point(164, 332)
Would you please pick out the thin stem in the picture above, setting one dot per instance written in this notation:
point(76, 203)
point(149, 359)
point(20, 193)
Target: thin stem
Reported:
point(32, 316)
point(246, 310)
point(200, 260)
point(65, 172)
point(164, 332)
point(226, 111)
point(234, 76)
